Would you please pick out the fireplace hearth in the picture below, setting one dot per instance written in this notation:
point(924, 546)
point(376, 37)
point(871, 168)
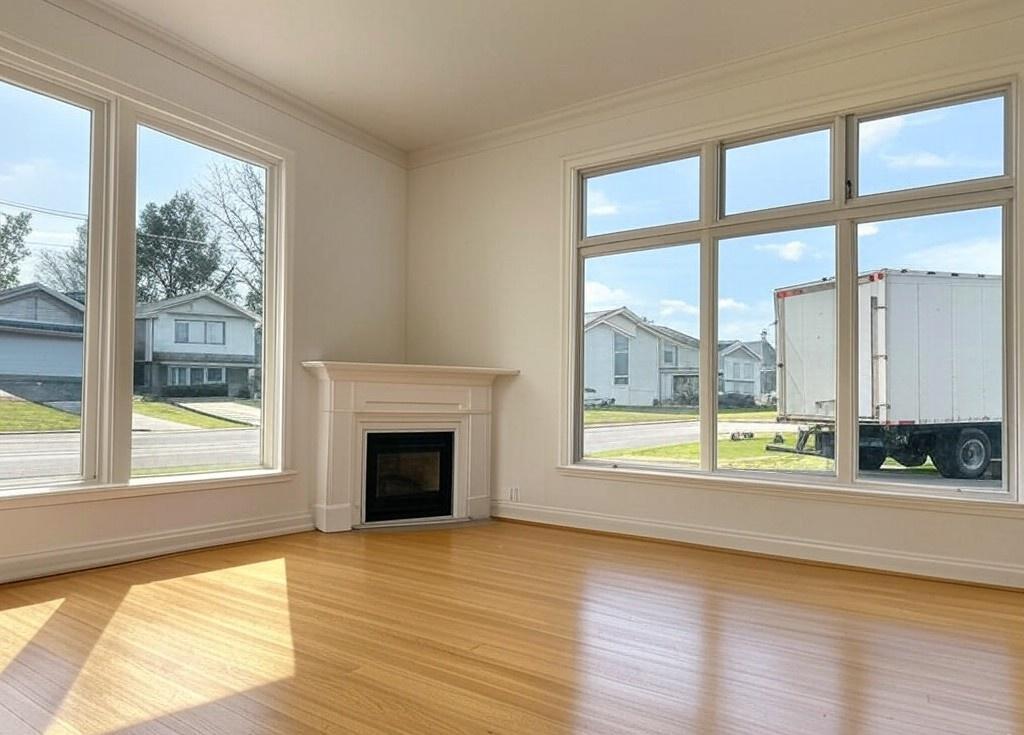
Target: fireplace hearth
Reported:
point(409, 475)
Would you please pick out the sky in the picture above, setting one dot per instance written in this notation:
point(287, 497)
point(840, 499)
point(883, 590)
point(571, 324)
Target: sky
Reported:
point(922, 148)
point(44, 162)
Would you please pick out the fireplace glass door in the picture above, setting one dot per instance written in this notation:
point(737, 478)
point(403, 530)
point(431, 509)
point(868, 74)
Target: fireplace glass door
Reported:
point(409, 475)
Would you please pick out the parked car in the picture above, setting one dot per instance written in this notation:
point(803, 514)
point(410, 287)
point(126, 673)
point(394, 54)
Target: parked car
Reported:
point(592, 400)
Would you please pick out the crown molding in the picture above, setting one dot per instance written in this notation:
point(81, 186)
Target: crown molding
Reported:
point(944, 20)
point(134, 29)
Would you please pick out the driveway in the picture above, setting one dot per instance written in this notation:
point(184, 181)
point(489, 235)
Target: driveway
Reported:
point(237, 411)
point(636, 436)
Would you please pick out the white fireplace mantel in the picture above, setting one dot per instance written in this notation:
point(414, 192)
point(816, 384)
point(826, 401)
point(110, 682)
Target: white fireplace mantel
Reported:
point(356, 398)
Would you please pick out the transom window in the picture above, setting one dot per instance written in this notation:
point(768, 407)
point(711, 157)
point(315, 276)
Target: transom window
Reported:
point(839, 314)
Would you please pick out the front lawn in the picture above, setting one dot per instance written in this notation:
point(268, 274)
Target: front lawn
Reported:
point(746, 454)
point(179, 415)
point(28, 416)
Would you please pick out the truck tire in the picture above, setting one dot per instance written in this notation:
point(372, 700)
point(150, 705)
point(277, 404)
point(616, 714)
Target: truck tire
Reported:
point(963, 456)
point(871, 458)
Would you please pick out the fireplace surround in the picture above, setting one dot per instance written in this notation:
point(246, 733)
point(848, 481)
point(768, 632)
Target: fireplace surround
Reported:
point(364, 408)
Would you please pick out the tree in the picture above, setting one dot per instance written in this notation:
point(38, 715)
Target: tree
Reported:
point(178, 253)
point(234, 199)
point(65, 270)
point(14, 228)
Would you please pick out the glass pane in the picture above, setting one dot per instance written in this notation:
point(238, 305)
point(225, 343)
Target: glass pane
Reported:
point(778, 172)
point(936, 146)
point(930, 349)
point(199, 252)
point(639, 407)
point(44, 201)
point(777, 352)
point(659, 194)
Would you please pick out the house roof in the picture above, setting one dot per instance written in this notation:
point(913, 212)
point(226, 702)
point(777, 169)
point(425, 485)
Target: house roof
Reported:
point(18, 291)
point(677, 336)
point(762, 348)
point(726, 347)
point(156, 307)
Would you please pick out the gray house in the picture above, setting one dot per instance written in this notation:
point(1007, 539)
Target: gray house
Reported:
point(41, 343)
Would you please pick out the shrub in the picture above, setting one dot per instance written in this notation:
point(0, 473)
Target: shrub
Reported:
point(196, 391)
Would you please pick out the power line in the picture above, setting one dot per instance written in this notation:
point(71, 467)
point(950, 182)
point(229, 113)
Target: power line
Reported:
point(45, 210)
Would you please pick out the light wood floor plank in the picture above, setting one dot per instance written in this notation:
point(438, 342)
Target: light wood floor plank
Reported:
point(503, 628)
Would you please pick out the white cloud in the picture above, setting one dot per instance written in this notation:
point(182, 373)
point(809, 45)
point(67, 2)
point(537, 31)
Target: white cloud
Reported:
point(599, 205)
point(597, 296)
point(730, 304)
point(867, 229)
point(874, 133)
point(672, 307)
point(919, 159)
point(981, 255)
point(792, 251)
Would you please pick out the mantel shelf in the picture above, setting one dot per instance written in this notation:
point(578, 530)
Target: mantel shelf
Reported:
point(377, 371)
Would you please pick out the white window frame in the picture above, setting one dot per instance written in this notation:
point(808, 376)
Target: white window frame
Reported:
point(223, 376)
point(188, 323)
point(844, 210)
point(108, 360)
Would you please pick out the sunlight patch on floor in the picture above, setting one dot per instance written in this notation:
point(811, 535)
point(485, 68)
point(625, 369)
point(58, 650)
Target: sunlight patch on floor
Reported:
point(20, 625)
point(181, 643)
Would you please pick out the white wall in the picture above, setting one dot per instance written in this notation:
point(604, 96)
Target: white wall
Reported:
point(348, 267)
point(486, 262)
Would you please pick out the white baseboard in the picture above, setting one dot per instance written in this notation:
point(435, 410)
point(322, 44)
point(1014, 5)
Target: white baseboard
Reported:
point(948, 568)
point(131, 548)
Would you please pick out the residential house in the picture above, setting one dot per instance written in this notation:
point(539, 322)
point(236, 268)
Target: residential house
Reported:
point(196, 344)
point(765, 351)
point(739, 367)
point(41, 343)
point(636, 362)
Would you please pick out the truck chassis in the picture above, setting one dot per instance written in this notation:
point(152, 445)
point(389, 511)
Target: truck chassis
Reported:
point(958, 451)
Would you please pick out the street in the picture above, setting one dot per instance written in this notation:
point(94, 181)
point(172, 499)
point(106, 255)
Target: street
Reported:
point(634, 436)
point(57, 454)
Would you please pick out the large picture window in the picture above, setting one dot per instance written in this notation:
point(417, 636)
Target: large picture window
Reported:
point(134, 340)
point(842, 339)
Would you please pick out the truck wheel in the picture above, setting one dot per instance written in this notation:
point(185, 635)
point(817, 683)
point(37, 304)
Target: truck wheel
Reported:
point(871, 458)
point(964, 456)
point(973, 454)
point(910, 457)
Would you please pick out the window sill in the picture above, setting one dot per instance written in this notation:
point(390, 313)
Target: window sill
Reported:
point(990, 504)
point(39, 496)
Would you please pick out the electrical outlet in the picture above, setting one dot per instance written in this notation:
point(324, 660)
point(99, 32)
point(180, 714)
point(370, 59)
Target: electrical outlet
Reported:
point(512, 493)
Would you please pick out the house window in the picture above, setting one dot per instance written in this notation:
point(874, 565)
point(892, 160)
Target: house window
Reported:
point(198, 332)
point(178, 375)
point(621, 359)
point(670, 355)
point(216, 218)
point(864, 257)
point(610, 358)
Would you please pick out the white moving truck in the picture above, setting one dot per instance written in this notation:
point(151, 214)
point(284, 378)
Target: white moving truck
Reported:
point(929, 364)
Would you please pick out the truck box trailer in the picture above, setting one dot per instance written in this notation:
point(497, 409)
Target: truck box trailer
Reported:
point(929, 363)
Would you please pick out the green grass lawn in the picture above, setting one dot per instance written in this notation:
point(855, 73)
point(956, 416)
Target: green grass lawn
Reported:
point(179, 415)
point(27, 416)
point(745, 454)
point(637, 414)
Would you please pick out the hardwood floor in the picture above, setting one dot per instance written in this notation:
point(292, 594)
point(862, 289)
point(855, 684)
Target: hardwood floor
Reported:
point(503, 628)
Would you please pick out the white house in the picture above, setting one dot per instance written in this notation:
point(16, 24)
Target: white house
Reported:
point(636, 362)
point(199, 339)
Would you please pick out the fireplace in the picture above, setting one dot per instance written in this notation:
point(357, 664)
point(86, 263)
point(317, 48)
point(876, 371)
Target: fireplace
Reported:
point(409, 474)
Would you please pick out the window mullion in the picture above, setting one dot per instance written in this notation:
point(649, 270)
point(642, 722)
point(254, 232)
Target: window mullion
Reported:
point(120, 300)
point(710, 209)
point(846, 454)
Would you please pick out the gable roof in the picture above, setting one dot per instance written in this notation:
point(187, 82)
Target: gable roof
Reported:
point(677, 336)
point(726, 347)
point(27, 288)
point(763, 349)
point(156, 307)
